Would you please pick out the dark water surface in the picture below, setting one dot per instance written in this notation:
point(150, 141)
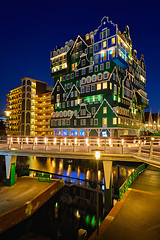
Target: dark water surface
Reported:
point(74, 206)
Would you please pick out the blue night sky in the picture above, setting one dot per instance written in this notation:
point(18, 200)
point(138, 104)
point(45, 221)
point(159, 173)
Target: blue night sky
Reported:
point(31, 29)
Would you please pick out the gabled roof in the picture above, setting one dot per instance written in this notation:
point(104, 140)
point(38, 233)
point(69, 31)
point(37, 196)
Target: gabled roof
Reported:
point(104, 100)
point(74, 86)
point(76, 42)
point(56, 85)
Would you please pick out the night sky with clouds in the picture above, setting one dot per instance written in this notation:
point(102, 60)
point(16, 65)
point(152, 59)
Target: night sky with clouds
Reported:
point(29, 30)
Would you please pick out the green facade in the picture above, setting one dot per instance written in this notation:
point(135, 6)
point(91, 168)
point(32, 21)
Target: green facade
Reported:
point(99, 85)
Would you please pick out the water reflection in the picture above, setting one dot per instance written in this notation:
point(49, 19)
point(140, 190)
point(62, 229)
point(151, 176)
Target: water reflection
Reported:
point(78, 171)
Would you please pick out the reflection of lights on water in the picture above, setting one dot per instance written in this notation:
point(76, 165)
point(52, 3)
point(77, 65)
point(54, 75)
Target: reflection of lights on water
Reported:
point(77, 214)
point(88, 174)
point(69, 169)
point(53, 163)
point(99, 175)
point(60, 165)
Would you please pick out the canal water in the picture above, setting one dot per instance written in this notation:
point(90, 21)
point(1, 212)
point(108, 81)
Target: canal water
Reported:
point(74, 206)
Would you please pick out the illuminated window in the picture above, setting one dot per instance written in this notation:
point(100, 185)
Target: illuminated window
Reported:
point(104, 122)
point(110, 86)
point(104, 44)
point(87, 36)
point(113, 40)
point(99, 86)
point(104, 110)
point(105, 85)
point(114, 121)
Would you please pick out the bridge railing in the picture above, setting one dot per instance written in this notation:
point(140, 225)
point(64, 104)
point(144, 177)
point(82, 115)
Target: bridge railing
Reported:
point(130, 180)
point(142, 146)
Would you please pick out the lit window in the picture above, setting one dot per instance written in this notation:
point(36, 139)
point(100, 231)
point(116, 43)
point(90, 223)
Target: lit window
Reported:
point(104, 110)
point(113, 40)
point(73, 67)
point(119, 121)
point(105, 85)
point(114, 121)
point(110, 86)
point(104, 44)
point(104, 122)
point(87, 36)
point(99, 86)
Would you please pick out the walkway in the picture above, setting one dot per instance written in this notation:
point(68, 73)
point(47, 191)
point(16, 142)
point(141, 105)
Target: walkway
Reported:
point(137, 215)
point(23, 199)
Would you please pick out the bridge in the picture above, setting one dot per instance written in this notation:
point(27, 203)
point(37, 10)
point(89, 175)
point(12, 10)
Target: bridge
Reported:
point(143, 149)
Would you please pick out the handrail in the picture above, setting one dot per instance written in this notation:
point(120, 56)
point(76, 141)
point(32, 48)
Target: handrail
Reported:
point(147, 146)
point(130, 180)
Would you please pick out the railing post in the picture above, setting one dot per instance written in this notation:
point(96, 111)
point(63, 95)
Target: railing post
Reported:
point(89, 147)
point(105, 146)
point(60, 145)
point(9, 144)
point(33, 144)
point(122, 146)
point(151, 150)
point(139, 148)
point(21, 144)
point(46, 146)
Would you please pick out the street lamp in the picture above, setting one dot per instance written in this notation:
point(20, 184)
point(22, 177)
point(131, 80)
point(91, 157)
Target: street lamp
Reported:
point(97, 156)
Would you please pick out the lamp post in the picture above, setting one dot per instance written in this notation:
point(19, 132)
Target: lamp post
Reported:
point(97, 156)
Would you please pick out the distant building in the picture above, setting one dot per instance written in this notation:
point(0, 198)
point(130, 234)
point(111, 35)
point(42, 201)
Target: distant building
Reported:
point(152, 122)
point(99, 85)
point(13, 111)
point(29, 108)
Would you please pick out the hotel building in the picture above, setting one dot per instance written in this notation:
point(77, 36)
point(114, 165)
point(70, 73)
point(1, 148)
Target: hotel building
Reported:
point(99, 85)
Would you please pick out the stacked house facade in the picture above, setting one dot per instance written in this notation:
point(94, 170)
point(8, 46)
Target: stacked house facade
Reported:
point(99, 85)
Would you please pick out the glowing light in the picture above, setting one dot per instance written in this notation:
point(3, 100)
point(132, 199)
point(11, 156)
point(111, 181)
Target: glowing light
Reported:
point(97, 155)
point(110, 141)
point(45, 140)
point(27, 140)
point(122, 141)
point(75, 141)
point(65, 141)
point(77, 214)
point(55, 140)
point(152, 138)
point(18, 140)
point(36, 140)
point(87, 142)
point(98, 142)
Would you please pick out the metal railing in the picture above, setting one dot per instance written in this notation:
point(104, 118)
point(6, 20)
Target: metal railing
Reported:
point(130, 180)
point(145, 146)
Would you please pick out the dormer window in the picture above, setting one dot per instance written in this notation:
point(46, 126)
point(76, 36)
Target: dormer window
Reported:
point(87, 37)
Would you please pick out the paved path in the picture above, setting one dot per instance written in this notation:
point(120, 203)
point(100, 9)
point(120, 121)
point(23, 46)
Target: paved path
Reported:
point(137, 215)
point(24, 190)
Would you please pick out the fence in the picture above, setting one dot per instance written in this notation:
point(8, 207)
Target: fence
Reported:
point(130, 180)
